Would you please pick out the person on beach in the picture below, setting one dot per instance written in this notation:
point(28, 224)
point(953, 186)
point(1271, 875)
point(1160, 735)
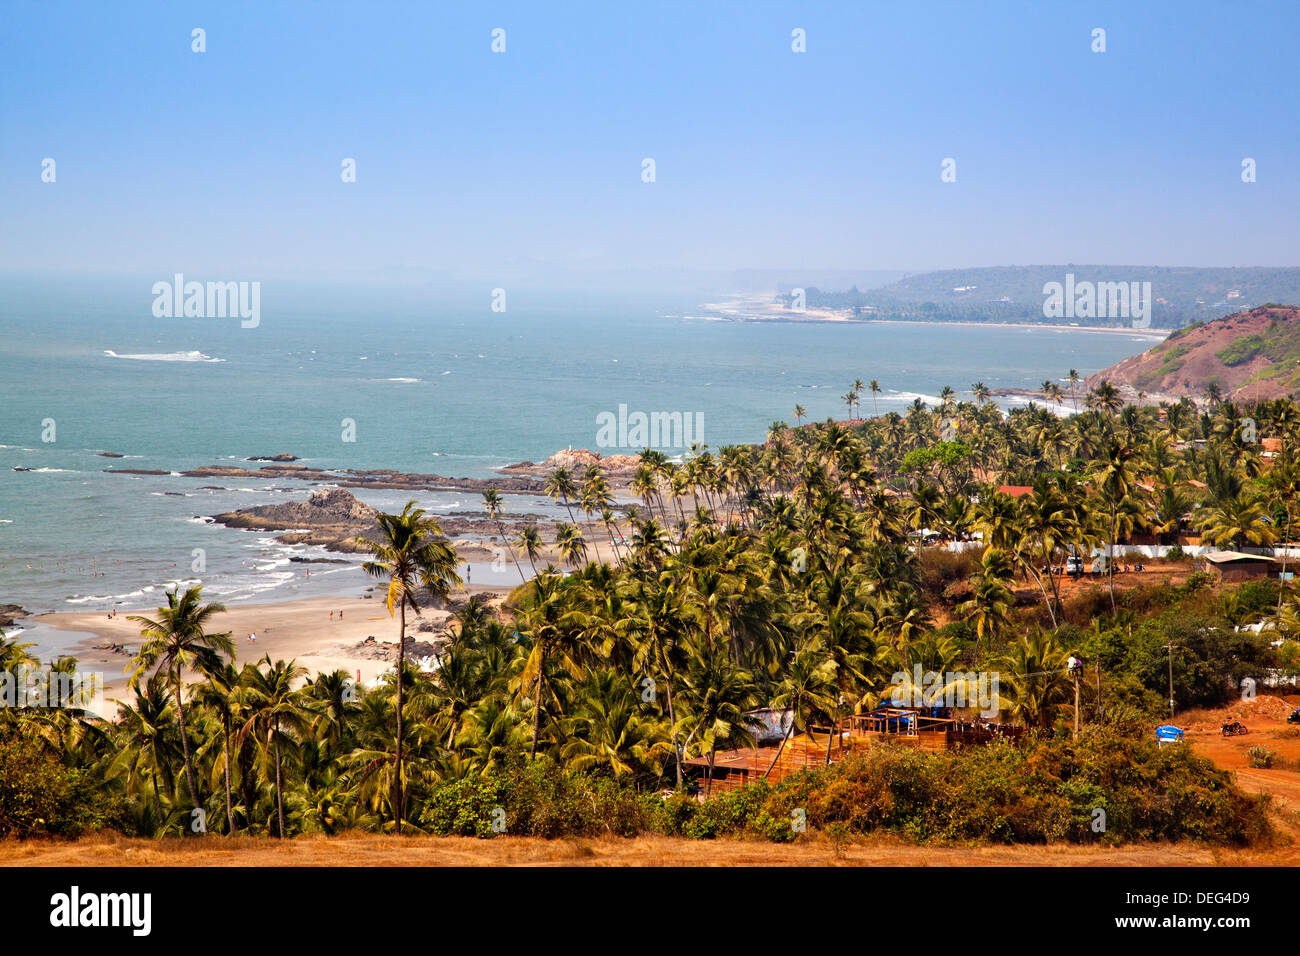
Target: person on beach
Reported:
point(252, 638)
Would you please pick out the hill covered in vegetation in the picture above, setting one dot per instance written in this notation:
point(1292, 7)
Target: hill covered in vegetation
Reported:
point(1180, 295)
point(1247, 356)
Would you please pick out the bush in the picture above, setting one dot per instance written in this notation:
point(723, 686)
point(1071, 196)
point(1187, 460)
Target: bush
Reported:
point(41, 797)
point(1176, 553)
point(1259, 757)
point(1047, 790)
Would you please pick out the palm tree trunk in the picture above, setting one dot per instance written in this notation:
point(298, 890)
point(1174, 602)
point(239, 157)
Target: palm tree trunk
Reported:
point(506, 541)
point(157, 800)
point(397, 776)
point(1286, 540)
point(185, 743)
point(672, 722)
point(279, 787)
point(780, 748)
point(230, 813)
point(708, 787)
point(537, 707)
point(1110, 559)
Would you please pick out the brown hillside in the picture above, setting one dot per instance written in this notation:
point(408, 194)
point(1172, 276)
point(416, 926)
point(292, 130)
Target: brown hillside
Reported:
point(1251, 355)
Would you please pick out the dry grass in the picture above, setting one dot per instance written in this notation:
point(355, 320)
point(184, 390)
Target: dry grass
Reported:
point(369, 850)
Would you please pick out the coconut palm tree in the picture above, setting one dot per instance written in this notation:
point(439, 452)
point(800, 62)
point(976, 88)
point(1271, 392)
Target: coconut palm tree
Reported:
point(551, 627)
point(717, 695)
point(1114, 475)
point(278, 715)
point(175, 639)
point(560, 485)
point(493, 503)
point(145, 738)
point(217, 695)
point(610, 733)
point(991, 604)
point(1033, 682)
point(569, 541)
point(806, 689)
point(530, 543)
point(411, 555)
point(1235, 522)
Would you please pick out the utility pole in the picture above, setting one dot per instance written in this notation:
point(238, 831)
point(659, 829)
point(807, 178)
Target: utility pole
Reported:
point(1076, 704)
point(1075, 666)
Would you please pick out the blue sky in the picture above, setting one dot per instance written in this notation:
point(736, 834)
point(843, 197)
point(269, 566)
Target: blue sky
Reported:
point(471, 163)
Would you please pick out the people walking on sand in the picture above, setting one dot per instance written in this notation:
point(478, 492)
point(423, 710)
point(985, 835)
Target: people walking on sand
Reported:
point(331, 615)
point(252, 638)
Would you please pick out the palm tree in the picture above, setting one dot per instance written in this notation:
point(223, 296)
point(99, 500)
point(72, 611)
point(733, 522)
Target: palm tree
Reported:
point(1033, 678)
point(217, 695)
point(1235, 522)
point(411, 554)
point(145, 748)
point(1074, 381)
point(718, 694)
point(569, 541)
point(493, 503)
point(530, 542)
point(806, 689)
point(993, 600)
point(875, 390)
point(799, 413)
point(275, 710)
point(1114, 476)
point(610, 734)
point(560, 486)
point(551, 626)
point(176, 639)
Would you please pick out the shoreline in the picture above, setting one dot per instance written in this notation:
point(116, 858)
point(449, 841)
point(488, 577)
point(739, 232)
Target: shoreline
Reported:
point(300, 629)
point(1159, 334)
point(765, 308)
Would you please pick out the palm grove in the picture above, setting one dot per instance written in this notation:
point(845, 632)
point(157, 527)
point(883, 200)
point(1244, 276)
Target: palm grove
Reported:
point(789, 574)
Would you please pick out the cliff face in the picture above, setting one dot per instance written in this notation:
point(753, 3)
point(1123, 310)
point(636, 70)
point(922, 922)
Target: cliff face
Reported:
point(1249, 355)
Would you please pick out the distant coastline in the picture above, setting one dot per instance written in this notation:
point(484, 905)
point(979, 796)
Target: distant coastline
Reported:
point(767, 307)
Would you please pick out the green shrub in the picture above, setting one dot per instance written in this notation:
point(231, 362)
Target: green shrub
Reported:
point(41, 797)
point(1048, 790)
point(1260, 757)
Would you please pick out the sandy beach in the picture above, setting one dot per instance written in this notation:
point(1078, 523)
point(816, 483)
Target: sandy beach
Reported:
point(301, 630)
point(765, 307)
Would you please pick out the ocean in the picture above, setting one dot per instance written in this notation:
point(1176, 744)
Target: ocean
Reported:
point(422, 380)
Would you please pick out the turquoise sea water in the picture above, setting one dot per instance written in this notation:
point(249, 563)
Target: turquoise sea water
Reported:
point(434, 383)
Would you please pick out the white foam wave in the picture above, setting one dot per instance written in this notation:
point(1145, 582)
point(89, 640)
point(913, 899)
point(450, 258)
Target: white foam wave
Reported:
point(192, 356)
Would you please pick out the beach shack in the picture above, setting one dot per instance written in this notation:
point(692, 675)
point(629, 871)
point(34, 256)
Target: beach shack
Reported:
point(1237, 565)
